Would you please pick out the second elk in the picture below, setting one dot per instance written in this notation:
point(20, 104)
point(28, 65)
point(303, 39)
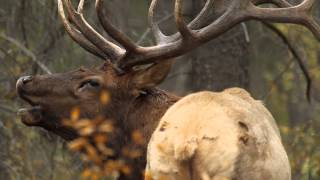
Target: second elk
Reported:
point(217, 136)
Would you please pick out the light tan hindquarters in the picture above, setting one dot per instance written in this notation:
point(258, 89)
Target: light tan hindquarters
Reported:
point(213, 136)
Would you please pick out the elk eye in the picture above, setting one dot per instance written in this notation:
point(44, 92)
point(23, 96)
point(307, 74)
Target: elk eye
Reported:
point(89, 84)
point(93, 83)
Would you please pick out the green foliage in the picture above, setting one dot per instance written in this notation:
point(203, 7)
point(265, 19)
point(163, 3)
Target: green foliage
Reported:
point(286, 95)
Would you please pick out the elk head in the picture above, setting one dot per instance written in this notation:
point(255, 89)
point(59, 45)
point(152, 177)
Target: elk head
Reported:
point(54, 96)
point(130, 69)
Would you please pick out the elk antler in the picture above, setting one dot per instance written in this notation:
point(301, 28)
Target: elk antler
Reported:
point(189, 35)
point(87, 36)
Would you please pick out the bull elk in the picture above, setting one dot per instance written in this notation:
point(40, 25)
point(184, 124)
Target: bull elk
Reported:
point(241, 129)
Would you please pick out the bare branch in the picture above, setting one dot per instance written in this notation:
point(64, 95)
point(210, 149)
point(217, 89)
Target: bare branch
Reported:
point(27, 52)
point(296, 56)
point(246, 32)
point(8, 109)
point(277, 79)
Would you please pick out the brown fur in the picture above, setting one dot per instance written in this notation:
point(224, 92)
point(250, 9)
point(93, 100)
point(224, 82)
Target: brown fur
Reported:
point(131, 107)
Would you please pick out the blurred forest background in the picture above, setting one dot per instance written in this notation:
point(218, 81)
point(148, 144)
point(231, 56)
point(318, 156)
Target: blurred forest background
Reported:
point(252, 56)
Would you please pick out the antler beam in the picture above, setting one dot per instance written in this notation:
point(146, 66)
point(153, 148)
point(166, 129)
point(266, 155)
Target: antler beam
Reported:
point(237, 12)
point(189, 36)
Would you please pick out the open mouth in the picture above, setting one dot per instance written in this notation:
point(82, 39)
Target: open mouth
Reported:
point(31, 116)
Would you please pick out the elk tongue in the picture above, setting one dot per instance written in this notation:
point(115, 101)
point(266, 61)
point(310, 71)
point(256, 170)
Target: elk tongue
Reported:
point(31, 116)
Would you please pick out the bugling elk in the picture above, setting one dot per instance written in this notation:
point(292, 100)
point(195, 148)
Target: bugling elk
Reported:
point(202, 136)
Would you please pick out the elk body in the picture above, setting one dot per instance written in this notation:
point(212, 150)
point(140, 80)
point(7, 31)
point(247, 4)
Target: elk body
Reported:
point(132, 72)
point(215, 136)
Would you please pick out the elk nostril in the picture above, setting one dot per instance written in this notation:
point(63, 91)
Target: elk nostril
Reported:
point(25, 79)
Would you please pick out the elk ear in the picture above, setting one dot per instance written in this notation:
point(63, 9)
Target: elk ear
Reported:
point(151, 76)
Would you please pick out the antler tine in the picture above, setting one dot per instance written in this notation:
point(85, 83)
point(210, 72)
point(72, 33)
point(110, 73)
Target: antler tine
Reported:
point(121, 38)
point(201, 17)
point(80, 6)
point(299, 14)
point(113, 51)
point(186, 33)
point(241, 10)
point(159, 36)
point(234, 14)
point(77, 36)
point(198, 21)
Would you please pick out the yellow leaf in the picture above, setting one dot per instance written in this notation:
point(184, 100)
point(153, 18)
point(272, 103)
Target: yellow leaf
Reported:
point(104, 97)
point(125, 169)
point(106, 127)
point(100, 138)
point(86, 173)
point(137, 137)
point(87, 131)
point(75, 114)
point(105, 150)
point(82, 124)
point(77, 144)
point(92, 154)
point(285, 129)
point(95, 176)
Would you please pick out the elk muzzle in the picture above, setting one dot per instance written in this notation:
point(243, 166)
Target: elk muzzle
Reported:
point(29, 116)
